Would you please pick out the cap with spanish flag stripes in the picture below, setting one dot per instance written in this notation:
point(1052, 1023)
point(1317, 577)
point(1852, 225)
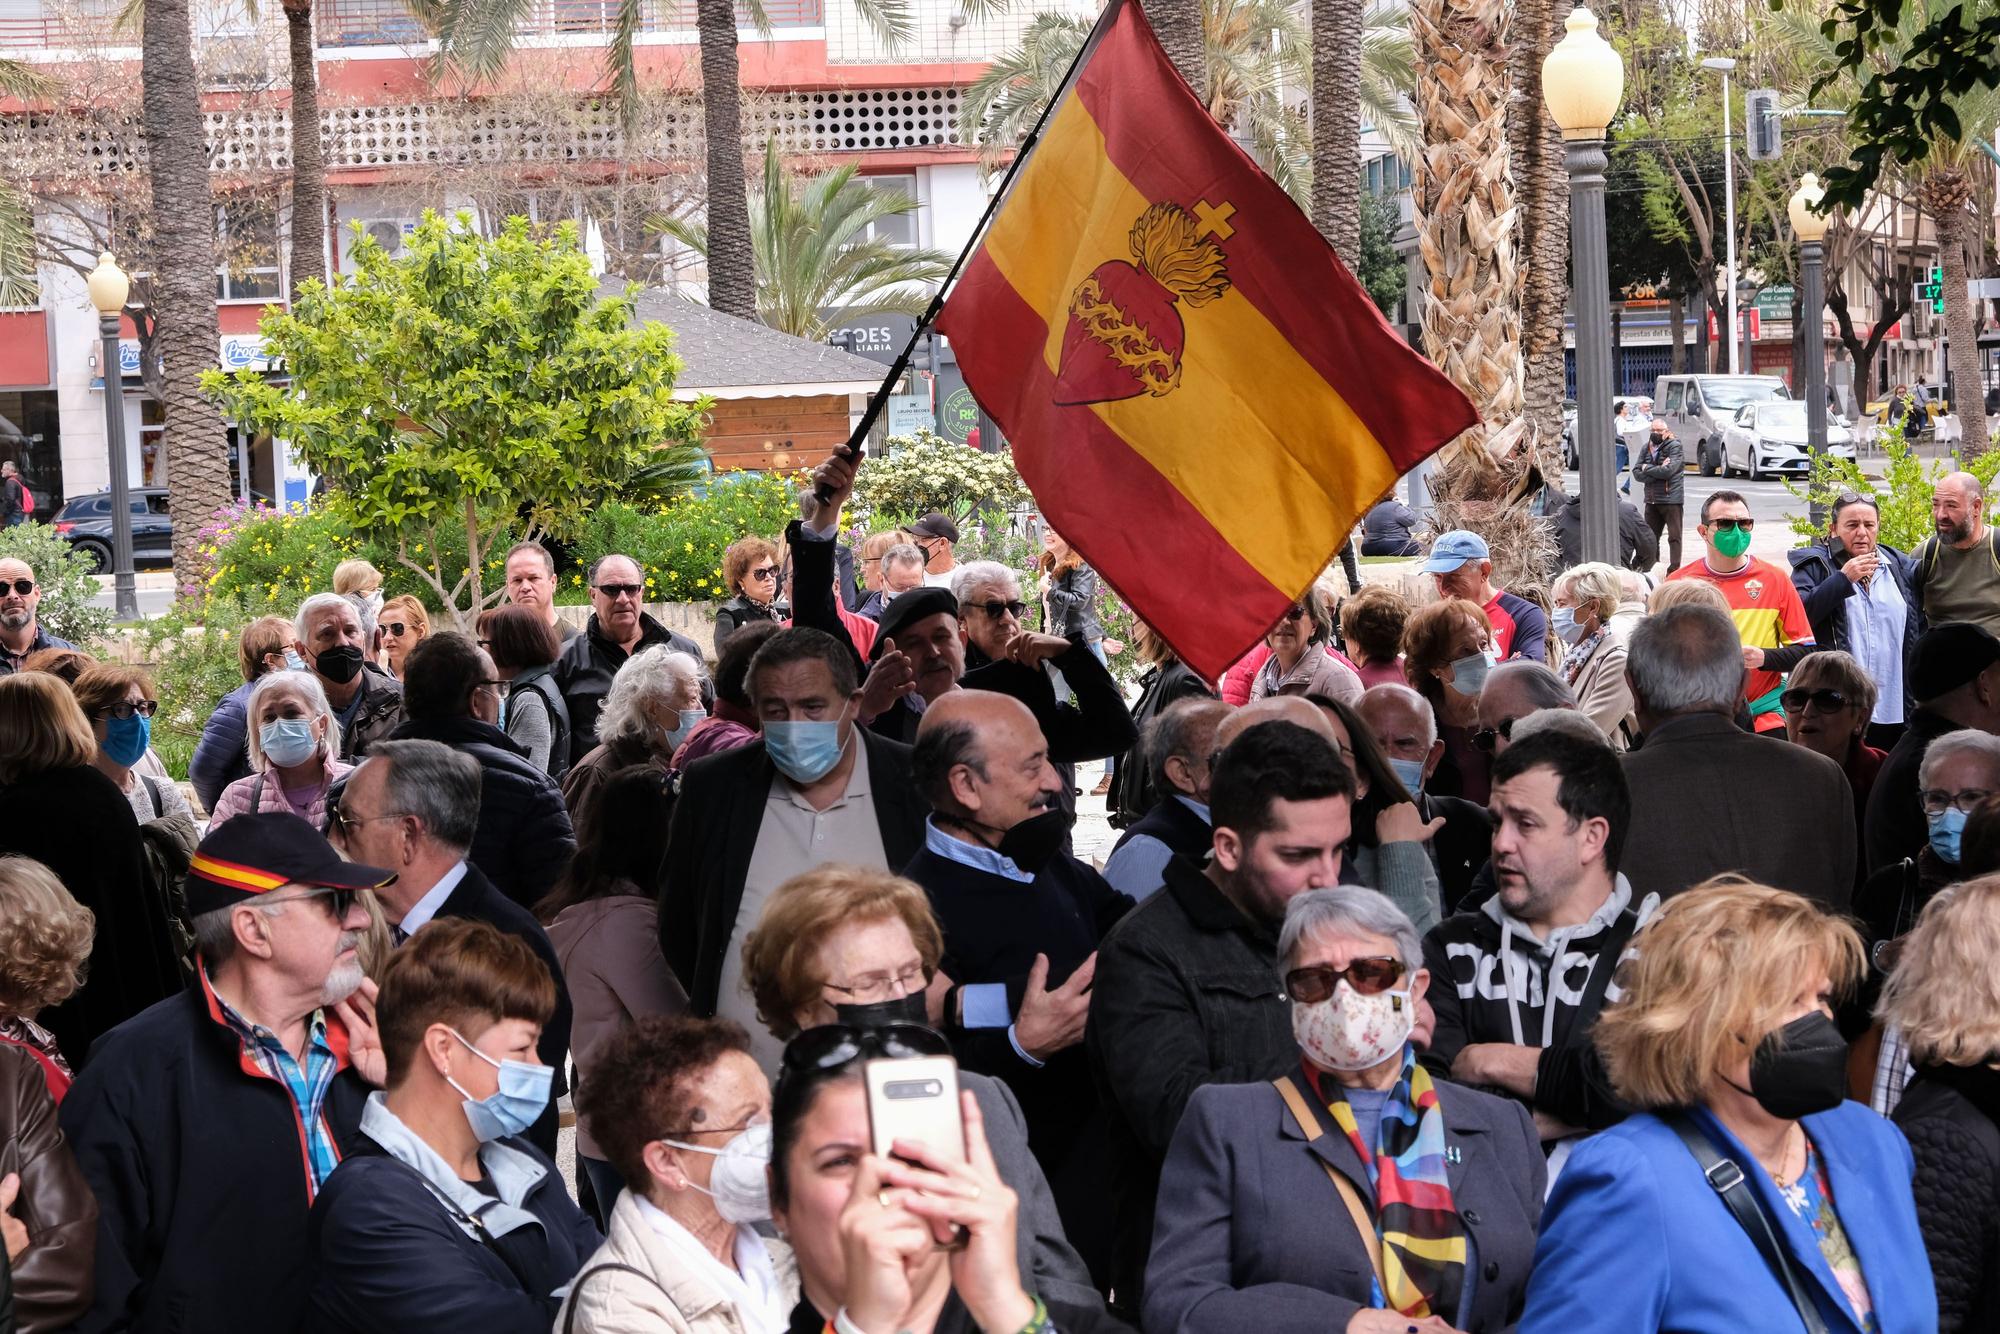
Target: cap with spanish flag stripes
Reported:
point(255, 854)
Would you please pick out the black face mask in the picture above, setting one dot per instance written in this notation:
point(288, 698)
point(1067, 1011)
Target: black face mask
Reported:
point(1037, 840)
point(1800, 1069)
point(901, 1010)
point(339, 664)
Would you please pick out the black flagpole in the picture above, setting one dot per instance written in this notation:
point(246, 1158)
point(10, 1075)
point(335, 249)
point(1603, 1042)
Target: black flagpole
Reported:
point(857, 442)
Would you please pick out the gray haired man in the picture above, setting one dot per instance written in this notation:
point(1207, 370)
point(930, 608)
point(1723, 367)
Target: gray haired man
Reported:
point(335, 642)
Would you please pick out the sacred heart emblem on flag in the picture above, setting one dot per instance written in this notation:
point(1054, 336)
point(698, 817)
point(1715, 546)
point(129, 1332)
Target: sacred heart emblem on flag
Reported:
point(1124, 336)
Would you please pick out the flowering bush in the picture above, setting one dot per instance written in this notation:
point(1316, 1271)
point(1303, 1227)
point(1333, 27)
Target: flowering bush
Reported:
point(679, 545)
point(924, 472)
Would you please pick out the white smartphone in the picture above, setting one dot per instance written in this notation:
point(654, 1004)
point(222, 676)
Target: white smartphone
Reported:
point(915, 1098)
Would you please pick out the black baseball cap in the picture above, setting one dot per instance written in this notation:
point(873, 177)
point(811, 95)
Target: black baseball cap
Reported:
point(1949, 655)
point(255, 854)
point(935, 525)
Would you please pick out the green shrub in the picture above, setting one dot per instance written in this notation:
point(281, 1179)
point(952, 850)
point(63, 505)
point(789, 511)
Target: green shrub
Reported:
point(1902, 494)
point(679, 546)
point(924, 472)
point(65, 579)
point(269, 556)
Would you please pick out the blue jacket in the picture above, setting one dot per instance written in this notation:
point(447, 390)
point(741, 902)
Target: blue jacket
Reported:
point(223, 754)
point(1635, 1240)
point(395, 1246)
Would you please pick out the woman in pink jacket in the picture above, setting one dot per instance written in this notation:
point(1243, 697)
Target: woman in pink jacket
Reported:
point(293, 741)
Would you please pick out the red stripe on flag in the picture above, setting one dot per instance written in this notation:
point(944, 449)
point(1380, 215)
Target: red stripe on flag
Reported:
point(1127, 520)
point(1170, 149)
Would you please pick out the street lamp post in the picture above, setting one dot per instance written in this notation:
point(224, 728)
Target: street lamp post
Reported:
point(109, 287)
point(1582, 81)
point(1746, 292)
point(1811, 228)
point(1723, 65)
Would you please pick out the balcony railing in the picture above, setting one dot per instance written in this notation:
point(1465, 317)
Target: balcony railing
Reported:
point(390, 23)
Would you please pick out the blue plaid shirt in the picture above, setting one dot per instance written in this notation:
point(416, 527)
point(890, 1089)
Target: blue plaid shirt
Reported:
point(307, 1086)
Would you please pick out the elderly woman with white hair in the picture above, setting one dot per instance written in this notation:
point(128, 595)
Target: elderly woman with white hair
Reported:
point(1959, 771)
point(653, 703)
point(1593, 662)
point(294, 751)
point(1356, 1194)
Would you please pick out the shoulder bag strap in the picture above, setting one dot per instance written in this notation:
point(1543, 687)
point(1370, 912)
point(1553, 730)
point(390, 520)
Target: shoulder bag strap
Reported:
point(1728, 1181)
point(257, 794)
point(569, 1318)
point(153, 793)
point(1309, 1126)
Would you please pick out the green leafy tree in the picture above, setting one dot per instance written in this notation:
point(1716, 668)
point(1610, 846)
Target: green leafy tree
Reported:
point(1381, 270)
point(925, 472)
point(474, 387)
point(815, 257)
point(17, 215)
point(64, 574)
point(1902, 494)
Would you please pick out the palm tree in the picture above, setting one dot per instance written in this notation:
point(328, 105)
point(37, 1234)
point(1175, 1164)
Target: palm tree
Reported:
point(816, 265)
point(1336, 125)
point(308, 229)
point(476, 37)
point(1256, 49)
point(1182, 29)
point(1541, 184)
point(17, 213)
point(183, 276)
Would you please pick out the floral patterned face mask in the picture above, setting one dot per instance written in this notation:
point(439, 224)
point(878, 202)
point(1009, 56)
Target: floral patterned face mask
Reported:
point(1351, 1031)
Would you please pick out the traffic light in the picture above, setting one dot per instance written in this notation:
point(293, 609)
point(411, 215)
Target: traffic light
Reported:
point(1761, 132)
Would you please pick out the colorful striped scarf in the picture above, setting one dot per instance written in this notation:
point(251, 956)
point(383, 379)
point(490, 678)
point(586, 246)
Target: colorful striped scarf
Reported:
point(1423, 1244)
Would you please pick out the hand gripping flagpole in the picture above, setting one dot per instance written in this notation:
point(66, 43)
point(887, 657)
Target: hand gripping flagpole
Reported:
point(857, 442)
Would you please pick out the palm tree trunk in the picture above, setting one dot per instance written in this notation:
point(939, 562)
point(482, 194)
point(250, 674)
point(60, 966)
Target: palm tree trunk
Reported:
point(1541, 193)
point(1336, 126)
point(308, 228)
point(189, 338)
point(732, 265)
point(1947, 191)
point(1179, 26)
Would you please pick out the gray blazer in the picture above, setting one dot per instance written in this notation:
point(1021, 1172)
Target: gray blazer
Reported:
point(1050, 1266)
point(1250, 1235)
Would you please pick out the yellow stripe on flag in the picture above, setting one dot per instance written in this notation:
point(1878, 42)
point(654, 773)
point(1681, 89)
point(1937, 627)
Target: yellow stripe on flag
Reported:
point(1264, 473)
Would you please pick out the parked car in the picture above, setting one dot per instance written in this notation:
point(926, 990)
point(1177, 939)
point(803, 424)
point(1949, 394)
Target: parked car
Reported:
point(1700, 407)
point(86, 521)
point(1770, 437)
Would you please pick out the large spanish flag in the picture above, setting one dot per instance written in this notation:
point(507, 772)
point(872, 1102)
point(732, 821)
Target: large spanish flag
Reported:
point(1202, 399)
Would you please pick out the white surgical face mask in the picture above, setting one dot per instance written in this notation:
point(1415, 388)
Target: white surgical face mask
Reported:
point(1350, 1031)
point(740, 1184)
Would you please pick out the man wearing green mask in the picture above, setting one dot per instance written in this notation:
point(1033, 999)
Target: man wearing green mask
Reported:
point(1769, 616)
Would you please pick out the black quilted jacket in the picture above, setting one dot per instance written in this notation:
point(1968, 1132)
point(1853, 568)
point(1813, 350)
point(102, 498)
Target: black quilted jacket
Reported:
point(1951, 1115)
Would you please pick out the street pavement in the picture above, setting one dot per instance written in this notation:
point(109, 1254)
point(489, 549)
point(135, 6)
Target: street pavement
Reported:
point(1771, 505)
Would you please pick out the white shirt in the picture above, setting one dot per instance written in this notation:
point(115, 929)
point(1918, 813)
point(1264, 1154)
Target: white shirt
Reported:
point(752, 1287)
point(427, 906)
point(940, 580)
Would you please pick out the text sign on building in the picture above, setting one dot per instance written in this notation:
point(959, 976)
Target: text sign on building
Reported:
point(910, 413)
point(878, 338)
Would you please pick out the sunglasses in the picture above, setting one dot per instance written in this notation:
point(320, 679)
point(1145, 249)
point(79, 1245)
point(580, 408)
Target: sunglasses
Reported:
point(1731, 525)
point(831, 1046)
point(1826, 701)
point(996, 608)
point(20, 586)
point(1369, 977)
point(145, 708)
point(339, 901)
point(615, 591)
point(1486, 738)
point(396, 628)
point(1293, 613)
point(764, 573)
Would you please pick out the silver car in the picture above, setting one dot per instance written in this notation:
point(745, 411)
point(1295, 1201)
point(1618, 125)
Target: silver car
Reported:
point(1770, 437)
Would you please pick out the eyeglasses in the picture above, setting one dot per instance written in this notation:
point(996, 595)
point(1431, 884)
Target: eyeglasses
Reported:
point(125, 708)
point(1937, 802)
point(1370, 977)
point(1731, 525)
point(396, 628)
point(1826, 701)
point(339, 900)
point(996, 608)
point(341, 821)
point(616, 591)
point(496, 685)
point(870, 987)
point(832, 1046)
point(764, 573)
point(20, 586)
point(1488, 738)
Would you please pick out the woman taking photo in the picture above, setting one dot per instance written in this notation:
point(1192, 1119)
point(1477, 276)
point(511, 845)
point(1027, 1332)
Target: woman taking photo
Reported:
point(750, 571)
point(686, 1116)
point(1300, 663)
point(1944, 998)
point(404, 624)
point(1724, 1039)
point(1447, 651)
point(294, 739)
point(444, 1217)
point(1593, 661)
point(1281, 1204)
point(223, 754)
point(524, 647)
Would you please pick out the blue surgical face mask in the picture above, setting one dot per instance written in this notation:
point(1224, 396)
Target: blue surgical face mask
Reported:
point(1468, 674)
point(1565, 625)
point(1947, 827)
point(523, 1095)
point(126, 739)
point(293, 662)
point(1409, 772)
point(500, 718)
point(288, 741)
point(689, 717)
point(805, 752)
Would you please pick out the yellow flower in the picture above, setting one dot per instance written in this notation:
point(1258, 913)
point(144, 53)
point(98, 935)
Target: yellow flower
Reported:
point(690, 546)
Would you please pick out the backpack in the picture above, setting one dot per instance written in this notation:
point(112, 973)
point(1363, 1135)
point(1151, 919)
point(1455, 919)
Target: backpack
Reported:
point(544, 684)
point(27, 497)
point(166, 848)
point(1927, 557)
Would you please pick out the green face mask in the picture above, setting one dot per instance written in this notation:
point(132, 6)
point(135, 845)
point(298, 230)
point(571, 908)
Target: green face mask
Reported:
point(1731, 542)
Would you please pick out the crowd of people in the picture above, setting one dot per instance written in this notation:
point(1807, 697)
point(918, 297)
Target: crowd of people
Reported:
point(1611, 956)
